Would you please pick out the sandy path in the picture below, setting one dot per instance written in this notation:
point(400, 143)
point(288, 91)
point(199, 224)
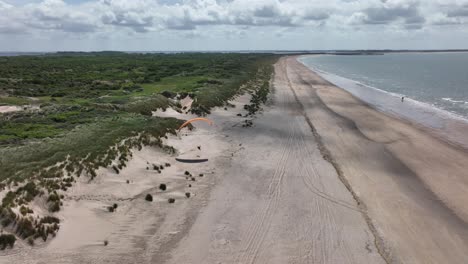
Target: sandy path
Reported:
point(279, 200)
point(9, 108)
point(414, 185)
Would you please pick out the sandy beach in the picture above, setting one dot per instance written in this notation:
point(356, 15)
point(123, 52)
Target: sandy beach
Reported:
point(320, 177)
point(412, 184)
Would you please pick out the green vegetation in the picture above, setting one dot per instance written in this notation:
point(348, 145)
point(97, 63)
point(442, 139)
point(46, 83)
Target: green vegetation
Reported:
point(149, 197)
point(7, 100)
point(7, 240)
point(93, 109)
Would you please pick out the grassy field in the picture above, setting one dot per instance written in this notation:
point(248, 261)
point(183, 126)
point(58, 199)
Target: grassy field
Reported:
point(92, 109)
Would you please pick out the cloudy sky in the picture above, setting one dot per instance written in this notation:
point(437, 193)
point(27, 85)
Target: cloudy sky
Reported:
point(138, 25)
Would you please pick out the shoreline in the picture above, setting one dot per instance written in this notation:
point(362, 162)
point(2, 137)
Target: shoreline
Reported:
point(441, 123)
point(408, 180)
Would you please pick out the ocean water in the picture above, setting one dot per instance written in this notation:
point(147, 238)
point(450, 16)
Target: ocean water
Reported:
point(432, 83)
point(435, 85)
point(438, 79)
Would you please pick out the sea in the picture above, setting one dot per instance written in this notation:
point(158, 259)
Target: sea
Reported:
point(434, 85)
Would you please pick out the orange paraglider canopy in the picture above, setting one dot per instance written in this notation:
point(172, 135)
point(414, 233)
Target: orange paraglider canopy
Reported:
point(196, 119)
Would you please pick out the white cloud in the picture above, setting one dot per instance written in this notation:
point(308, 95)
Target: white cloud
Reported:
point(190, 18)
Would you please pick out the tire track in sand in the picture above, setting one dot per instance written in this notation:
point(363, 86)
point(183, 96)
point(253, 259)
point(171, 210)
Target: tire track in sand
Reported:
point(378, 241)
point(260, 224)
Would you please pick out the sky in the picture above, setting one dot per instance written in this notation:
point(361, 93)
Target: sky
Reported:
point(213, 25)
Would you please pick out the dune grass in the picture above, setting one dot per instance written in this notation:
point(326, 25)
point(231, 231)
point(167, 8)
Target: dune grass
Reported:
point(94, 109)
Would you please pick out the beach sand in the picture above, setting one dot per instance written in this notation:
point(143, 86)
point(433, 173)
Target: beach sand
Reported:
point(320, 177)
point(414, 185)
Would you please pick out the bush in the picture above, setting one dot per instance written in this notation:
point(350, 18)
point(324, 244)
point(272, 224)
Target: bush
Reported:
point(25, 228)
point(187, 194)
point(23, 210)
point(7, 240)
point(168, 94)
point(187, 173)
point(53, 198)
point(149, 197)
point(49, 220)
point(54, 207)
point(162, 187)
point(171, 200)
point(6, 222)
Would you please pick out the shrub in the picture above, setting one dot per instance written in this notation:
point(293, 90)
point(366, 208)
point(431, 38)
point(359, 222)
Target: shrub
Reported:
point(200, 175)
point(168, 94)
point(187, 194)
point(171, 200)
point(115, 206)
point(167, 164)
point(23, 210)
point(6, 222)
point(30, 191)
point(25, 228)
point(53, 198)
point(162, 187)
point(9, 199)
point(187, 173)
point(54, 207)
point(49, 220)
point(7, 240)
point(149, 197)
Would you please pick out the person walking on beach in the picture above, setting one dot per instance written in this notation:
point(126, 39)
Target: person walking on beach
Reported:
point(402, 99)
